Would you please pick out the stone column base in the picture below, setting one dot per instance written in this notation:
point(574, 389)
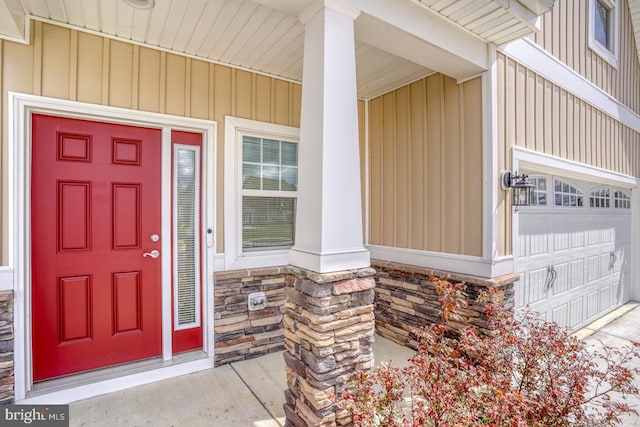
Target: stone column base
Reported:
point(328, 329)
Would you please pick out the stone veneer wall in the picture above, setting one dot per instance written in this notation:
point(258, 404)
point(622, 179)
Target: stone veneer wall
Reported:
point(6, 347)
point(406, 299)
point(242, 334)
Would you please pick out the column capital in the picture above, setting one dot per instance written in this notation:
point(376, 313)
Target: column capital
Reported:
point(333, 5)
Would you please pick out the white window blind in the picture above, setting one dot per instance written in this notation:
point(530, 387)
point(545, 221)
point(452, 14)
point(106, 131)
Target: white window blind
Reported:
point(186, 237)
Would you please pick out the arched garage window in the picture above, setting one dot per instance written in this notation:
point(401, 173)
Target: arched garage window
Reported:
point(600, 198)
point(567, 195)
point(621, 200)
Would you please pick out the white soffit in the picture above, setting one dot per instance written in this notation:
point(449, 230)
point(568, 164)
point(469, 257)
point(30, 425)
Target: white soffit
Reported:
point(496, 21)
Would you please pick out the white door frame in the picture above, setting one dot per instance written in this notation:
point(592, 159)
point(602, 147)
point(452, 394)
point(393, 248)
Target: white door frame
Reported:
point(21, 107)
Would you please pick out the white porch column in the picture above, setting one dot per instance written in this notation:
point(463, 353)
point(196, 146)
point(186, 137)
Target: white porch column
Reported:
point(329, 214)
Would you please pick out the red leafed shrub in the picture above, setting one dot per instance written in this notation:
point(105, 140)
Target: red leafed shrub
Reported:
point(525, 372)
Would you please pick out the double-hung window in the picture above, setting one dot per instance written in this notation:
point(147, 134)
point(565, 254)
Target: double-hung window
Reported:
point(261, 189)
point(603, 29)
point(269, 189)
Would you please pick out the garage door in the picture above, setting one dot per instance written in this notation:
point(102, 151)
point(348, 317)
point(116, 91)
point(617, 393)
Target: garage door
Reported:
point(574, 251)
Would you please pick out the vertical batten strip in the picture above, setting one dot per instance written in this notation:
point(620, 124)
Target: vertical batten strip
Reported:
point(106, 55)
point(187, 87)
point(211, 114)
point(163, 82)
point(135, 79)
point(425, 156)
point(462, 193)
point(37, 59)
point(443, 162)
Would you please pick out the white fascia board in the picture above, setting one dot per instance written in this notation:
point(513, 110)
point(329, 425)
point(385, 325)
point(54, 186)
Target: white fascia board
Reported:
point(401, 27)
point(538, 7)
point(534, 161)
point(540, 61)
point(461, 264)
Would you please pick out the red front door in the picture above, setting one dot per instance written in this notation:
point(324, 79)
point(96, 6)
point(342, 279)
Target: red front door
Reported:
point(95, 205)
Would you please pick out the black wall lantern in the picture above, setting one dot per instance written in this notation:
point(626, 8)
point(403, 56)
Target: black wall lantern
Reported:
point(524, 191)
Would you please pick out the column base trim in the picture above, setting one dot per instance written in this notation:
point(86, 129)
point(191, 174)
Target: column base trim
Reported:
point(329, 262)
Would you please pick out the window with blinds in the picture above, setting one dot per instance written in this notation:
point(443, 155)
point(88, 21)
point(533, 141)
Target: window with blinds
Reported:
point(269, 191)
point(186, 207)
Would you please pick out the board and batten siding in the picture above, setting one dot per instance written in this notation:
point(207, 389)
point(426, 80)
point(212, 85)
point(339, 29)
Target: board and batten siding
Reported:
point(78, 66)
point(564, 33)
point(537, 114)
point(425, 162)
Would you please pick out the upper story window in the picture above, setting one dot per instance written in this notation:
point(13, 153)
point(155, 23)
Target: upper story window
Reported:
point(260, 193)
point(567, 195)
point(603, 29)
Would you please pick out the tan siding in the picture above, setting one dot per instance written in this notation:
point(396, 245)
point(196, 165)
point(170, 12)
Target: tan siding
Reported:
point(435, 236)
point(175, 85)
point(376, 169)
point(565, 34)
point(73, 65)
point(426, 166)
point(362, 141)
point(418, 163)
point(55, 57)
point(89, 82)
point(121, 86)
point(471, 220)
point(557, 123)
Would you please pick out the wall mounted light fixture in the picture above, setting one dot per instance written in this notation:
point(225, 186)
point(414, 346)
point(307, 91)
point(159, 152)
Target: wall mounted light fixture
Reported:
point(524, 191)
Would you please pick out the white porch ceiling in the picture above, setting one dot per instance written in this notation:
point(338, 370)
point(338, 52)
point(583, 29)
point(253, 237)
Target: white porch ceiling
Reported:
point(266, 35)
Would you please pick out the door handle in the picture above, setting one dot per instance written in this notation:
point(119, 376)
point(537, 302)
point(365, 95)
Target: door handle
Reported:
point(612, 260)
point(551, 276)
point(153, 254)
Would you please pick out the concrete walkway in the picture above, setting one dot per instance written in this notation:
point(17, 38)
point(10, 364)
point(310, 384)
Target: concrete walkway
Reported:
point(251, 393)
point(248, 393)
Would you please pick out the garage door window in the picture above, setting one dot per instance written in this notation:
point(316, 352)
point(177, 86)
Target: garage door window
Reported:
point(599, 198)
point(566, 195)
point(621, 200)
point(540, 192)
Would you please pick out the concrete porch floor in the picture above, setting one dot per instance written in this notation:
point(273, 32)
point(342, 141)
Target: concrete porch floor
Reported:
point(251, 393)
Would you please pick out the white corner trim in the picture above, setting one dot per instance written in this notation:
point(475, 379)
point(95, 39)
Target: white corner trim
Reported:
point(462, 264)
point(537, 59)
point(545, 163)
point(234, 128)
point(6, 279)
point(490, 159)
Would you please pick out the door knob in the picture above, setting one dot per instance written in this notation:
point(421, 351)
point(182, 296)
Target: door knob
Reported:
point(153, 254)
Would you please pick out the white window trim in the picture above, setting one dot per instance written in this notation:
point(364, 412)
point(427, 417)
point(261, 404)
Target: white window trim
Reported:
point(234, 257)
point(611, 56)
